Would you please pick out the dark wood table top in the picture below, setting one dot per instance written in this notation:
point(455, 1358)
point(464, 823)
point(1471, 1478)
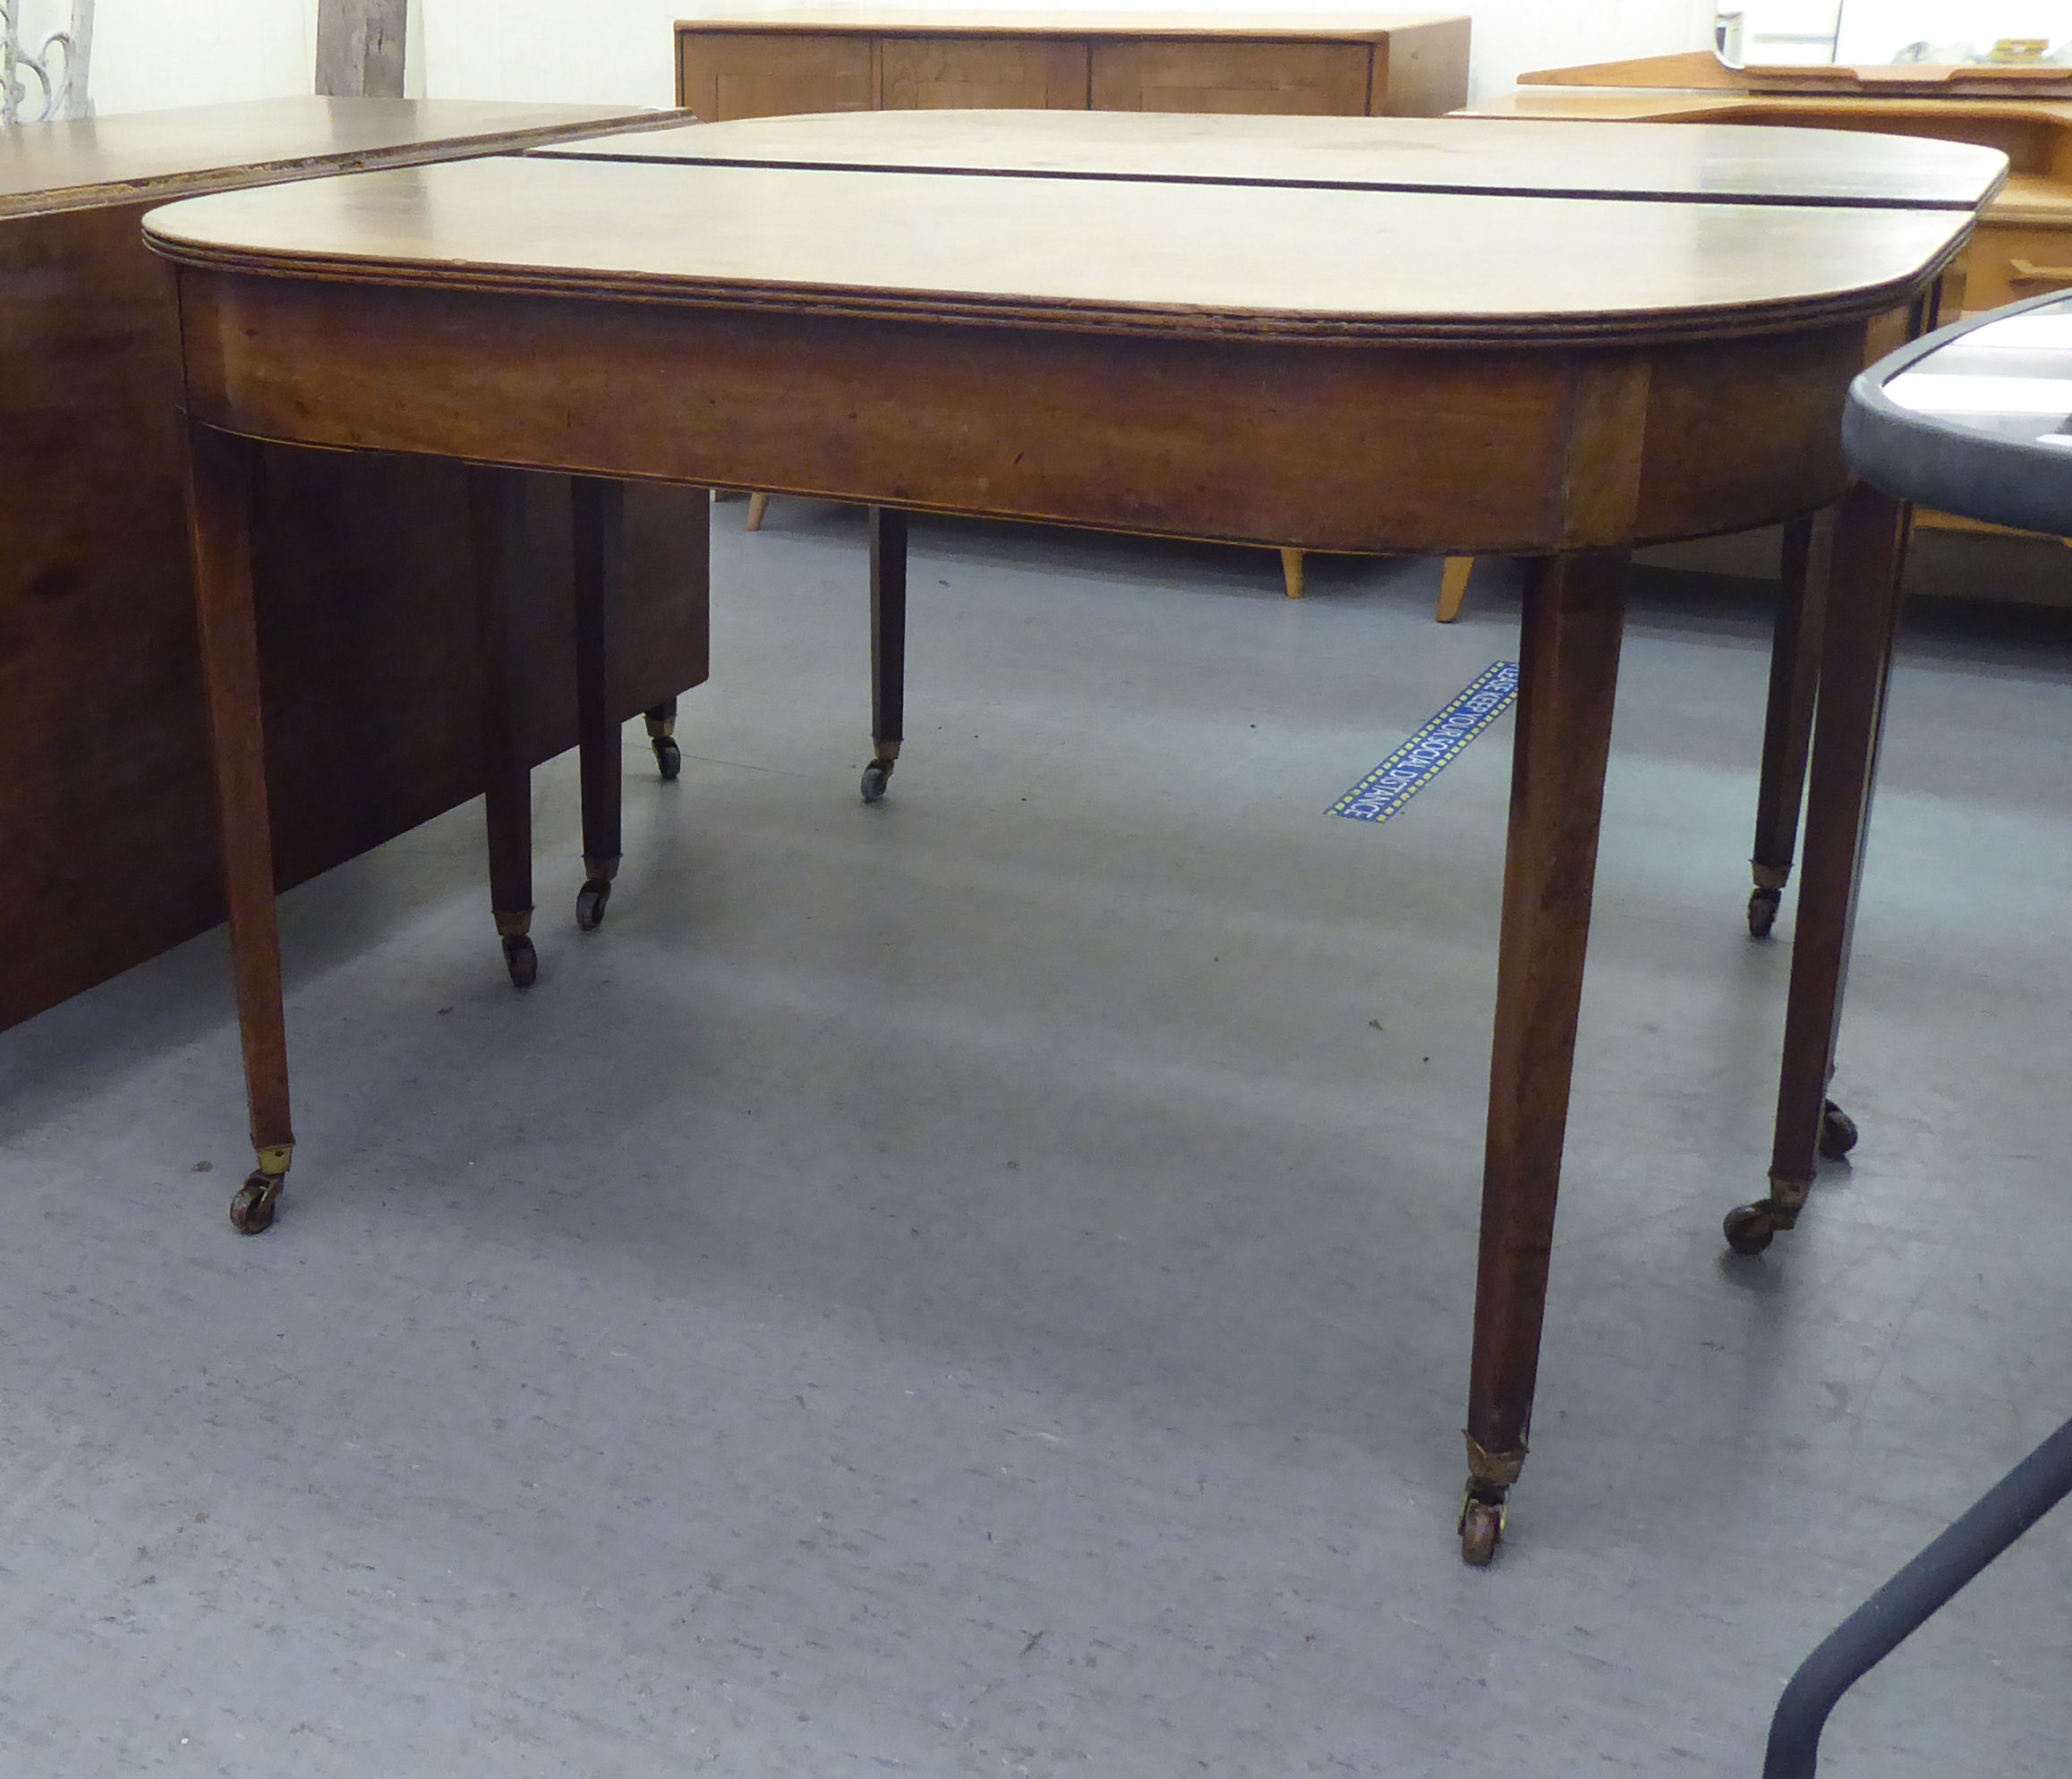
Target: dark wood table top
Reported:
point(1682, 163)
point(85, 162)
point(1180, 259)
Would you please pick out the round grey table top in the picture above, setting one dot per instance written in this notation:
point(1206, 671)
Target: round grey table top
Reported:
point(1975, 418)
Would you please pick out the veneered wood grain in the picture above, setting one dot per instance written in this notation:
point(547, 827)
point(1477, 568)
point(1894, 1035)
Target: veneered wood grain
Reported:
point(1248, 441)
point(939, 73)
point(1190, 260)
point(1255, 79)
point(1688, 163)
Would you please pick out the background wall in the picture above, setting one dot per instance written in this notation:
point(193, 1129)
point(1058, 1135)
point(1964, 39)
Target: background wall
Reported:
point(152, 53)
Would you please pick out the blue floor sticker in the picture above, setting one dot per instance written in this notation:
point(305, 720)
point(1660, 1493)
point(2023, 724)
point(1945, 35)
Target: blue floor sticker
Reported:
point(1383, 791)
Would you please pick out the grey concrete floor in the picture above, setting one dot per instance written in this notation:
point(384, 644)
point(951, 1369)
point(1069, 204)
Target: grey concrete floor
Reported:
point(980, 1285)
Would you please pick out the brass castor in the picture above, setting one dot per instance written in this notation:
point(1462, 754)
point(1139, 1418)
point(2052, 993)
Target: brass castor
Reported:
point(876, 775)
point(521, 960)
point(1481, 1531)
point(1749, 1228)
point(1838, 1131)
point(1762, 906)
point(252, 1211)
point(590, 902)
point(669, 758)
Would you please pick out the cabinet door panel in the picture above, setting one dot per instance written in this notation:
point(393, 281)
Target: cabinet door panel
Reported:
point(723, 76)
point(1327, 79)
point(942, 74)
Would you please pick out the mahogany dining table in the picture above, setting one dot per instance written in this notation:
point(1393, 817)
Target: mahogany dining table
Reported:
point(1519, 348)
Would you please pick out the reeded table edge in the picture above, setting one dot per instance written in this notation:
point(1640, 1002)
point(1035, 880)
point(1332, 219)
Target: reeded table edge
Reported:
point(1738, 319)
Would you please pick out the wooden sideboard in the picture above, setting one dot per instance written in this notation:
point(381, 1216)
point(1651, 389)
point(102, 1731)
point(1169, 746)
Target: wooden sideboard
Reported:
point(769, 63)
point(107, 825)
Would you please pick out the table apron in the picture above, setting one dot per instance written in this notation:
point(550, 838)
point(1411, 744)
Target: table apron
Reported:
point(1331, 446)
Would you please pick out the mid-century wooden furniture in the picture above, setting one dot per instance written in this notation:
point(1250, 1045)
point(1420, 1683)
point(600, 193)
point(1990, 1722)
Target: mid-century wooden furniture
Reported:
point(108, 842)
point(1975, 419)
point(766, 62)
point(1487, 370)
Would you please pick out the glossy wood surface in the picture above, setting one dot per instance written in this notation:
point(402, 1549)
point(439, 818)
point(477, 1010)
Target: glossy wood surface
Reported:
point(1463, 154)
point(1181, 260)
point(159, 155)
point(101, 716)
point(1124, 353)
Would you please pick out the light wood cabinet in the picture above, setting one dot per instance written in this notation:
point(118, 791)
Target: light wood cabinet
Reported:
point(768, 63)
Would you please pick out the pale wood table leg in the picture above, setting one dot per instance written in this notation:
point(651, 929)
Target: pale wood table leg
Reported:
point(598, 512)
point(888, 647)
point(758, 504)
point(1453, 587)
point(221, 488)
point(1292, 572)
point(496, 514)
point(1856, 670)
point(1568, 673)
point(1788, 723)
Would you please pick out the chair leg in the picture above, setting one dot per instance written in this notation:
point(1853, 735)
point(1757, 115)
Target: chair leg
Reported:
point(598, 507)
point(496, 514)
point(1453, 587)
point(888, 647)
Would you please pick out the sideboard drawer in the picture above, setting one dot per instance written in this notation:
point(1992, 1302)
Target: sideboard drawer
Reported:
point(982, 73)
point(722, 75)
point(2004, 265)
point(1316, 80)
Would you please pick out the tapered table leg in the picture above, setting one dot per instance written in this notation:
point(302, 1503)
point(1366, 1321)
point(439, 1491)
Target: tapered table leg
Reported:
point(1856, 670)
point(888, 646)
point(222, 488)
point(599, 510)
point(497, 514)
point(1787, 724)
point(1568, 672)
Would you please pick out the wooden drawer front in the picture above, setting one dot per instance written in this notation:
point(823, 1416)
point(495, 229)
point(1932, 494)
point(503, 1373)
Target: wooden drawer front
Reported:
point(2004, 265)
point(1317, 80)
point(947, 73)
point(727, 75)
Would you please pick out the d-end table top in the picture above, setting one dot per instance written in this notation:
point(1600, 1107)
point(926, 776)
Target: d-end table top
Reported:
point(1695, 164)
point(1180, 259)
point(1348, 27)
point(88, 162)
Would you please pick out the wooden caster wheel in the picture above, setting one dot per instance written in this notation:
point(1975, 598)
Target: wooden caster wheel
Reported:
point(521, 960)
point(252, 1211)
point(669, 758)
point(1762, 906)
point(590, 902)
point(876, 776)
point(1838, 1131)
point(1750, 1228)
point(1481, 1531)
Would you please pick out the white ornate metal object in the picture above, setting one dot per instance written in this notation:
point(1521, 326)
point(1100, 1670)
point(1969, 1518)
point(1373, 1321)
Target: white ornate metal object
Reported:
point(61, 95)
